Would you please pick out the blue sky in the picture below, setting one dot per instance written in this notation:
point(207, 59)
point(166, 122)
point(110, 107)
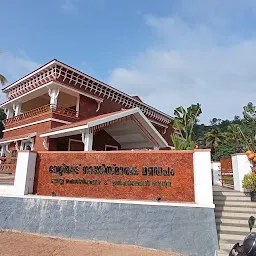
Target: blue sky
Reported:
point(169, 52)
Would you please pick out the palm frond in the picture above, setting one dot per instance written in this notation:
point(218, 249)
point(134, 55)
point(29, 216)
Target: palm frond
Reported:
point(3, 80)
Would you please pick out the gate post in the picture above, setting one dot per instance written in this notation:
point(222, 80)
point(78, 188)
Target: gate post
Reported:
point(241, 166)
point(203, 177)
point(216, 173)
point(25, 173)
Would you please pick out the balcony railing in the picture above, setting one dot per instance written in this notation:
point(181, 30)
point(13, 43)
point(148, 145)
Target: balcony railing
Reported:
point(42, 110)
point(7, 170)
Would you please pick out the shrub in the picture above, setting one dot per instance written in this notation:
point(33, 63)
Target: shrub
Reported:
point(249, 181)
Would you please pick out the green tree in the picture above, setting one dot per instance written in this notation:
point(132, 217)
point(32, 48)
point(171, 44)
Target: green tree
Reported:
point(213, 139)
point(3, 80)
point(233, 133)
point(225, 149)
point(184, 122)
point(247, 128)
point(2, 118)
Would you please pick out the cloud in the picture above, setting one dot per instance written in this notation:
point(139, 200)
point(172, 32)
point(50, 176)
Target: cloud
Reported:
point(14, 67)
point(69, 6)
point(197, 55)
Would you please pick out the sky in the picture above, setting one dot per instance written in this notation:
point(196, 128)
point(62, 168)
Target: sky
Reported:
point(169, 52)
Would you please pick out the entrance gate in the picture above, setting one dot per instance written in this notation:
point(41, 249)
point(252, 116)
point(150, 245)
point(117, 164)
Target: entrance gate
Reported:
point(226, 177)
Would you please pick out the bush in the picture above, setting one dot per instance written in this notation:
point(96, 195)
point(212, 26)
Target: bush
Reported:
point(249, 181)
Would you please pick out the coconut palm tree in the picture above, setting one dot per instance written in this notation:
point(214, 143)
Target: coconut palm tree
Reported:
point(233, 132)
point(3, 80)
point(214, 137)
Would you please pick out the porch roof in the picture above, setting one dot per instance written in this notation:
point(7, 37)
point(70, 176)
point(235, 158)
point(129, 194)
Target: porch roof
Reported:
point(18, 138)
point(104, 120)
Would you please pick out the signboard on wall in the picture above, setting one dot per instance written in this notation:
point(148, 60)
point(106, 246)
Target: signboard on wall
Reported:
point(142, 175)
point(116, 172)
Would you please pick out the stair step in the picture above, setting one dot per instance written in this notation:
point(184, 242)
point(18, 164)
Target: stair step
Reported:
point(245, 215)
point(241, 225)
point(233, 198)
point(235, 209)
point(233, 237)
point(230, 193)
point(244, 229)
point(232, 221)
point(226, 247)
point(235, 203)
point(224, 252)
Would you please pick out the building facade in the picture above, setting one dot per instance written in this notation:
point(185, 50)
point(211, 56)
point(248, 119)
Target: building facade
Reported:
point(59, 108)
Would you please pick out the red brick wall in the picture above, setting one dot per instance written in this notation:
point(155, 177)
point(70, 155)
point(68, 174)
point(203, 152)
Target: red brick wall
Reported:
point(182, 183)
point(102, 138)
point(61, 144)
point(226, 164)
point(87, 107)
point(38, 128)
point(165, 134)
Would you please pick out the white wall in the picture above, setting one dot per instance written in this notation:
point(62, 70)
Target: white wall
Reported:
point(25, 172)
point(241, 166)
point(203, 177)
point(6, 190)
point(216, 173)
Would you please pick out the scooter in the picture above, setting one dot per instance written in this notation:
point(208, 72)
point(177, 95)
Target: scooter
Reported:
point(248, 248)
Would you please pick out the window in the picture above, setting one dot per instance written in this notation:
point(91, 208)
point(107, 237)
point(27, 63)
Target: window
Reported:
point(110, 148)
point(75, 145)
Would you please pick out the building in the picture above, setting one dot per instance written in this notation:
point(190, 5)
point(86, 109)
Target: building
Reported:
point(59, 108)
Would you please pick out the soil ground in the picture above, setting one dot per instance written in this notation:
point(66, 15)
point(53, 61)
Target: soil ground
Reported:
point(23, 244)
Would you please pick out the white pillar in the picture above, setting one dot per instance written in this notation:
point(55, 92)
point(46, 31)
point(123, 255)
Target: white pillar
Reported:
point(241, 166)
point(17, 109)
point(87, 138)
point(203, 177)
point(25, 172)
point(2, 149)
point(53, 93)
point(216, 173)
point(9, 113)
point(77, 103)
point(7, 148)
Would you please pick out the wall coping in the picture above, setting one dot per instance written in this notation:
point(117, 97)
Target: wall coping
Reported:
point(239, 154)
point(202, 150)
point(27, 151)
point(113, 201)
point(130, 151)
point(120, 152)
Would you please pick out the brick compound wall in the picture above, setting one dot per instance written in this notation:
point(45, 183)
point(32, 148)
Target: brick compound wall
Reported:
point(138, 175)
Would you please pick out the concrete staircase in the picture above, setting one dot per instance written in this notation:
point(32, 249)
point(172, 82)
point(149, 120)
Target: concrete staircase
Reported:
point(232, 211)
